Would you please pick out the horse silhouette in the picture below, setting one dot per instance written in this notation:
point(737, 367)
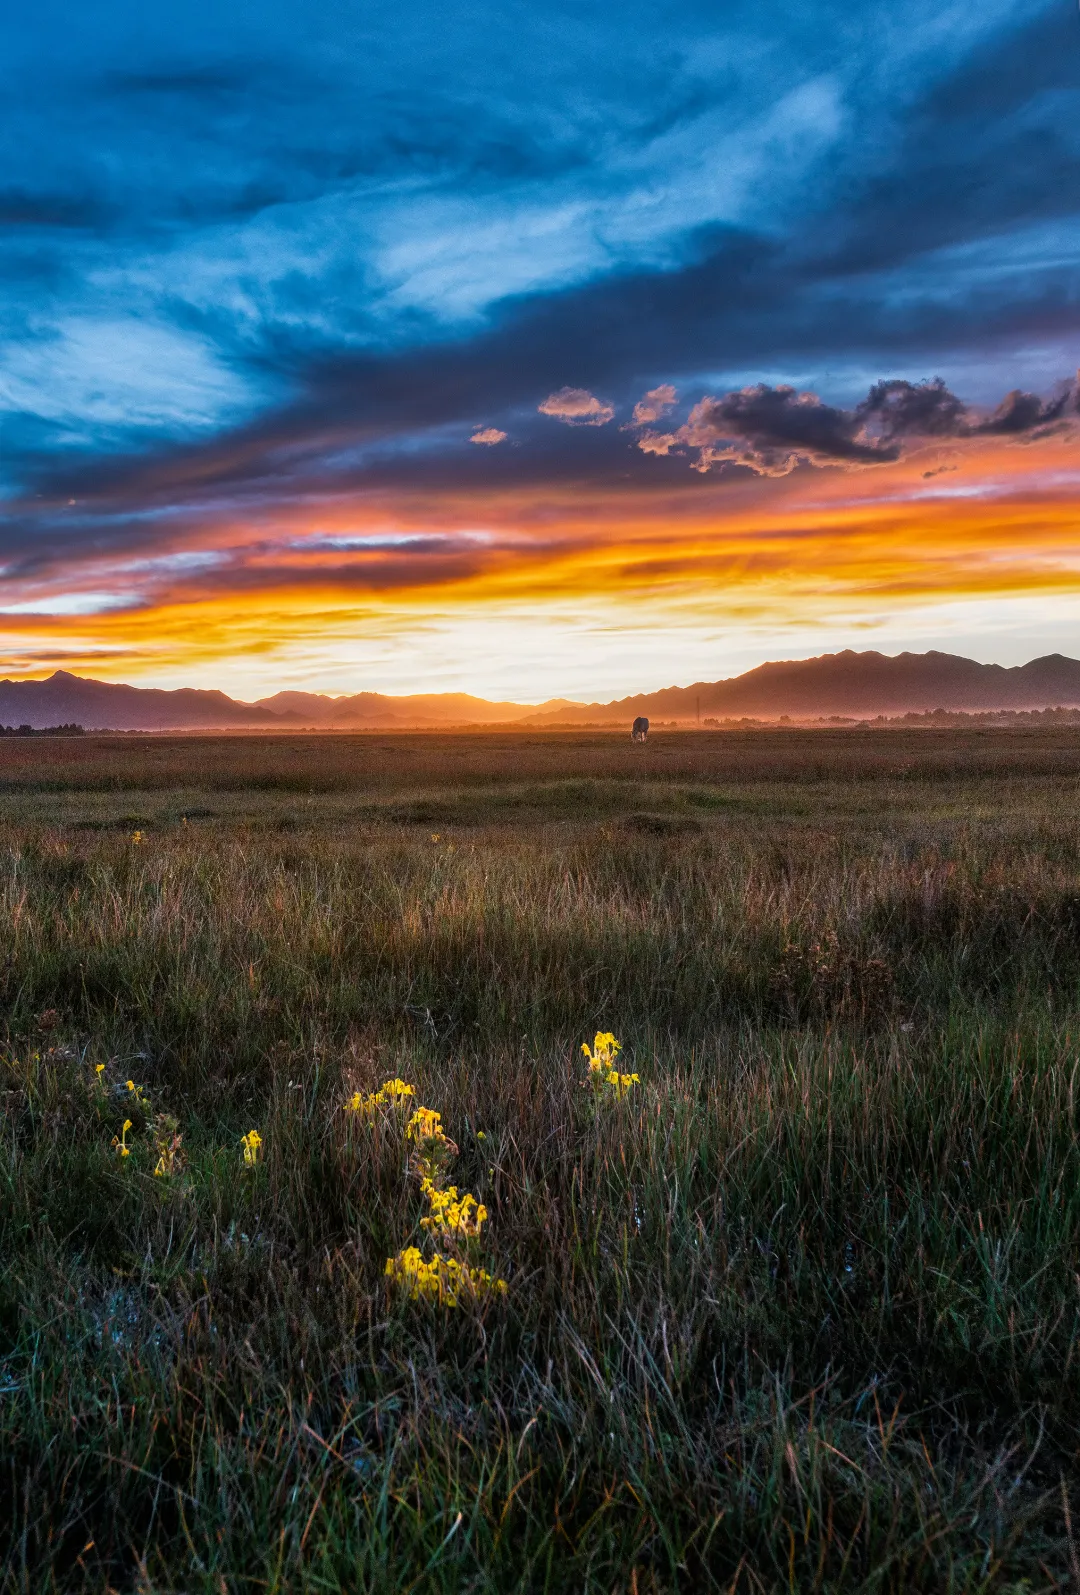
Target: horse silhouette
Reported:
point(641, 729)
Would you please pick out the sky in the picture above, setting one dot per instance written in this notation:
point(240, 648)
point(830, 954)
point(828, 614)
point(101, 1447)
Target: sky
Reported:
point(568, 349)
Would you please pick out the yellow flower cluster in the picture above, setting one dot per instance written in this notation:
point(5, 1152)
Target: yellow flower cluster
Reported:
point(252, 1145)
point(601, 1056)
point(162, 1127)
point(456, 1218)
point(443, 1279)
point(425, 1125)
point(604, 1077)
point(452, 1214)
point(619, 1084)
point(391, 1094)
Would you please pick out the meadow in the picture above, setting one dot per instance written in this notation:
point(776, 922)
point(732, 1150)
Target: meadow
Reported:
point(797, 1310)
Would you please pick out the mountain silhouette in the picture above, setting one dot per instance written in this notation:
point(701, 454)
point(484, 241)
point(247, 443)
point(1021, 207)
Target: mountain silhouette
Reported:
point(853, 684)
point(848, 684)
point(101, 705)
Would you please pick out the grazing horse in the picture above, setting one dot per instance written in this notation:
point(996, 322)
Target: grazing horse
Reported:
point(641, 729)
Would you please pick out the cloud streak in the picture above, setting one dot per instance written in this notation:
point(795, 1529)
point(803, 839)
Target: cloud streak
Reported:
point(746, 551)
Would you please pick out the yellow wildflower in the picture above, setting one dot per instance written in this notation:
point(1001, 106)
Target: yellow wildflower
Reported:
point(409, 1269)
point(251, 1143)
point(601, 1056)
point(451, 1214)
point(434, 1149)
point(391, 1094)
point(604, 1075)
point(120, 1141)
point(425, 1125)
point(138, 838)
point(443, 1279)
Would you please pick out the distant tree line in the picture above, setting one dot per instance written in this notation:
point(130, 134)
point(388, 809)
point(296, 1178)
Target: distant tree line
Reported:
point(71, 730)
point(928, 717)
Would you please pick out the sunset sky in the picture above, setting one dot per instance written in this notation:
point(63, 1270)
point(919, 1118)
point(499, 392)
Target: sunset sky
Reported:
point(535, 350)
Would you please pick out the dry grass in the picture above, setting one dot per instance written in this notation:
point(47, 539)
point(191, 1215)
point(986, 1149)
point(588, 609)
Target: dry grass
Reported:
point(800, 1313)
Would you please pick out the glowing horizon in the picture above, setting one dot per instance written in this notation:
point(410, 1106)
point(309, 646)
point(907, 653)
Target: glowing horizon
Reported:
point(842, 559)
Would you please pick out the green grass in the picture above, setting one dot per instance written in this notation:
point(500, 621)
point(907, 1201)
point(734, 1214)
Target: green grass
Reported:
point(802, 1313)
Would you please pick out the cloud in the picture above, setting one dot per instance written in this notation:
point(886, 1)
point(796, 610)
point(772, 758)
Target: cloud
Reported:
point(1021, 412)
point(654, 404)
point(577, 407)
point(770, 430)
point(899, 409)
point(488, 434)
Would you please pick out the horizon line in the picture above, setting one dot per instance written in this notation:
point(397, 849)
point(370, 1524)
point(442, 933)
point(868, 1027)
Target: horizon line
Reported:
point(555, 702)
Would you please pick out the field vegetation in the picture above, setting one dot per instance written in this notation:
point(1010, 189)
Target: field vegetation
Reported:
point(795, 1309)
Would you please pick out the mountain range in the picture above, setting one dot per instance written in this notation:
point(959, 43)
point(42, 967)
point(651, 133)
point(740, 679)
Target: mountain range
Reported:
point(851, 684)
point(848, 684)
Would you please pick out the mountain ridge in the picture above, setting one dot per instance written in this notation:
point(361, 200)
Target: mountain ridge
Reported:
point(848, 683)
point(857, 684)
point(375, 706)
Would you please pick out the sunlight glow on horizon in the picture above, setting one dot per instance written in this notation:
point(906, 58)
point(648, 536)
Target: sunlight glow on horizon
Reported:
point(587, 596)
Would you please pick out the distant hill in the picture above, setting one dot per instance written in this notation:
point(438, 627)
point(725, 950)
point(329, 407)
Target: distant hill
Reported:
point(376, 708)
point(64, 698)
point(859, 685)
point(850, 684)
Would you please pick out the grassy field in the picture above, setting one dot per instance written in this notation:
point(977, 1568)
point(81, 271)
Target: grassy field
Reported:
point(798, 1312)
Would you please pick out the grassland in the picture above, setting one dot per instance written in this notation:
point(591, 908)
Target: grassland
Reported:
point(801, 1313)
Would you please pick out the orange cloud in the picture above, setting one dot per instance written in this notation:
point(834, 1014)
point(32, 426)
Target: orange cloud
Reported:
point(999, 522)
point(577, 407)
point(654, 404)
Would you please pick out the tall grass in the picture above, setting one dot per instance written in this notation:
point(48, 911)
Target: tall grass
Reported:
point(800, 1313)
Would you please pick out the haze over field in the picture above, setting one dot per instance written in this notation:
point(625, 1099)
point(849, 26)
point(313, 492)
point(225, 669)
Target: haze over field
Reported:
point(847, 684)
point(553, 352)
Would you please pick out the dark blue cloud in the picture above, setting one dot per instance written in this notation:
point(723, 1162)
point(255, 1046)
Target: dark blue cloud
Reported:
point(253, 254)
point(990, 147)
